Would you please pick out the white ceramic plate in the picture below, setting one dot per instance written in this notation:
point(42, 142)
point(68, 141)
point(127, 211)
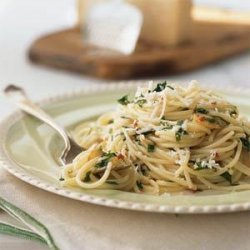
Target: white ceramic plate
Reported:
point(27, 148)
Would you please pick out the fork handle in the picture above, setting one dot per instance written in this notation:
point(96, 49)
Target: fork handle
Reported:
point(17, 96)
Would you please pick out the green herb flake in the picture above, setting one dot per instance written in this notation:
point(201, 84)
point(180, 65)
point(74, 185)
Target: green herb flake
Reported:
point(124, 100)
point(201, 110)
point(106, 157)
point(179, 133)
point(111, 182)
point(61, 179)
point(233, 113)
point(87, 177)
point(170, 87)
point(179, 123)
point(198, 166)
point(161, 86)
point(246, 143)
point(210, 119)
point(141, 102)
point(178, 136)
point(151, 148)
point(227, 177)
point(125, 117)
point(139, 185)
point(111, 121)
point(146, 132)
point(167, 127)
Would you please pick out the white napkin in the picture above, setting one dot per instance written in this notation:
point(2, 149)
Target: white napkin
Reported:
point(78, 225)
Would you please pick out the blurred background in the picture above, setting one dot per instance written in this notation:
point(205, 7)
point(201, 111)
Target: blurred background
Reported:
point(23, 22)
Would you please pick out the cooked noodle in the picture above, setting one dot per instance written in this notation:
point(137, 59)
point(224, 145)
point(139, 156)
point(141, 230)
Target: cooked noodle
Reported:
point(168, 138)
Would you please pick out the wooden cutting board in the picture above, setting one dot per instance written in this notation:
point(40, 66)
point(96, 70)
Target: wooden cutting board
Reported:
point(212, 40)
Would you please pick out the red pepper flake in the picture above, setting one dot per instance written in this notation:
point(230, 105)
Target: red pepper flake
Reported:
point(120, 156)
point(201, 118)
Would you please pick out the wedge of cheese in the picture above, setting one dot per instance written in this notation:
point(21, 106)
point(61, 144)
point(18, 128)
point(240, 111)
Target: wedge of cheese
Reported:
point(166, 22)
point(83, 8)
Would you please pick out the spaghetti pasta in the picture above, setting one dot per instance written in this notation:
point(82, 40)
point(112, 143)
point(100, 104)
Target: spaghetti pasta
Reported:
point(168, 138)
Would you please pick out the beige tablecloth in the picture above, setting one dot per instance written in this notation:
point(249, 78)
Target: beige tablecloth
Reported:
point(78, 225)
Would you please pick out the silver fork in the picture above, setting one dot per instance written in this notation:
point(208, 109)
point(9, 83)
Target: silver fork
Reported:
point(17, 96)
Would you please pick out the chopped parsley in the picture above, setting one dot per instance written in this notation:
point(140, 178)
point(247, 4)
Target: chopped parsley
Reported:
point(210, 119)
point(179, 133)
point(201, 110)
point(106, 157)
point(233, 113)
point(111, 182)
point(151, 148)
point(110, 121)
point(246, 143)
point(227, 177)
point(180, 122)
point(125, 117)
point(167, 127)
point(139, 185)
point(87, 177)
point(141, 102)
point(145, 132)
point(61, 179)
point(161, 86)
point(198, 166)
point(124, 100)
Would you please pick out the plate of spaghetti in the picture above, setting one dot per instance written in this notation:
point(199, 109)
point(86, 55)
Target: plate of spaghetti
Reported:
point(150, 146)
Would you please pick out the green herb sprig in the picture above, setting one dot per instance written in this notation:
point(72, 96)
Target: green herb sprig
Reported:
point(179, 133)
point(124, 100)
point(227, 177)
point(151, 148)
point(106, 157)
point(139, 185)
point(161, 86)
point(201, 110)
point(246, 143)
point(87, 177)
point(141, 102)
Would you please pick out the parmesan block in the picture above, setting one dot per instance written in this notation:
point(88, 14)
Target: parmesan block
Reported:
point(166, 22)
point(83, 8)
